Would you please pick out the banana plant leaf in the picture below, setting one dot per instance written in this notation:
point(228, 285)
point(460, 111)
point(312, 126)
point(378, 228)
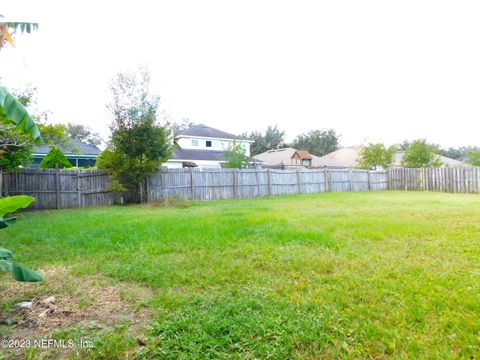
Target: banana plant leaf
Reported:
point(8, 205)
point(19, 272)
point(12, 112)
point(5, 254)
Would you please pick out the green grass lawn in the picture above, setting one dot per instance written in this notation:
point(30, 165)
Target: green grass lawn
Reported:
point(326, 275)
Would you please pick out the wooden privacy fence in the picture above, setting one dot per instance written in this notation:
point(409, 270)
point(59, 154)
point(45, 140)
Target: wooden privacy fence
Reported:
point(209, 184)
point(454, 180)
point(58, 189)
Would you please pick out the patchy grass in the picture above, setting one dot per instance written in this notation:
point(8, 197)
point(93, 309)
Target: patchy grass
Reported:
point(313, 276)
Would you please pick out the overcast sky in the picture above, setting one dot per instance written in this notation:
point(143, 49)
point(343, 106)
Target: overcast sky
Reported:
point(372, 70)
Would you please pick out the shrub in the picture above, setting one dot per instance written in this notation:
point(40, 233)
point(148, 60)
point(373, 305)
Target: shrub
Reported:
point(55, 158)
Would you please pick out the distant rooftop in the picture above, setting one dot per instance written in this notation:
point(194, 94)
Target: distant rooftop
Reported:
point(206, 131)
point(78, 148)
point(196, 154)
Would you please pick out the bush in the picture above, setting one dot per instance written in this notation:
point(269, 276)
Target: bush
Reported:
point(55, 158)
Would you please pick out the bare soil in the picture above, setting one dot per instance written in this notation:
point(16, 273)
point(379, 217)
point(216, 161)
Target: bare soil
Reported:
point(63, 301)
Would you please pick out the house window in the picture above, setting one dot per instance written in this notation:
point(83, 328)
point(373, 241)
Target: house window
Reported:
point(194, 142)
point(208, 143)
point(306, 162)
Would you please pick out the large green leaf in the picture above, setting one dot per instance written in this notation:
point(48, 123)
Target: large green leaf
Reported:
point(10, 204)
point(5, 254)
point(19, 272)
point(6, 222)
point(12, 112)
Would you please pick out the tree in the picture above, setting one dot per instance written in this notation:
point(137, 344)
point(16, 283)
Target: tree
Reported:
point(317, 142)
point(421, 154)
point(55, 134)
point(235, 157)
point(138, 143)
point(83, 133)
point(473, 157)
point(185, 123)
point(460, 153)
point(15, 149)
point(374, 156)
point(272, 138)
point(55, 159)
point(9, 28)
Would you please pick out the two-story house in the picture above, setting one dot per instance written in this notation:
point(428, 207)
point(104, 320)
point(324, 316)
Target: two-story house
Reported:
point(203, 146)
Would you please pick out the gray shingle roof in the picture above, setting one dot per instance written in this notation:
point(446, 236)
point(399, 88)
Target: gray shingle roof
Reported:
point(193, 154)
point(83, 149)
point(206, 131)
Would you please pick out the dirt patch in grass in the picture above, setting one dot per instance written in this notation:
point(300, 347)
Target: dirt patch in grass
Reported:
point(63, 301)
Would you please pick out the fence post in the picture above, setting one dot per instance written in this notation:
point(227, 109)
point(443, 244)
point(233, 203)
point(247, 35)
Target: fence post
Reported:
point(269, 176)
point(6, 184)
point(79, 194)
point(350, 178)
point(235, 185)
point(147, 194)
point(325, 182)
point(57, 187)
point(192, 186)
point(298, 182)
point(369, 180)
point(1, 183)
point(388, 175)
point(329, 179)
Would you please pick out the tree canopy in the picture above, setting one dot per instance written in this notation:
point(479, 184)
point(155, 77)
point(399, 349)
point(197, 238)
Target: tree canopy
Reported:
point(318, 142)
point(375, 156)
point(235, 157)
point(83, 133)
point(420, 154)
point(473, 157)
point(138, 143)
point(271, 138)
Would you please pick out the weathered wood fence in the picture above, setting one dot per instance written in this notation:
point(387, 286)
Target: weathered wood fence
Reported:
point(454, 180)
point(209, 184)
point(58, 189)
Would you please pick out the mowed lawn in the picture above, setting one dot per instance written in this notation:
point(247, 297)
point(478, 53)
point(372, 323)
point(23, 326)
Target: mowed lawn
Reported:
point(309, 276)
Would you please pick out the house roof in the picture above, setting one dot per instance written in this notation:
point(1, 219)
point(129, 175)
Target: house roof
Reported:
point(194, 154)
point(443, 159)
point(277, 157)
point(345, 157)
point(205, 131)
point(304, 154)
point(83, 149)
point(349, 156)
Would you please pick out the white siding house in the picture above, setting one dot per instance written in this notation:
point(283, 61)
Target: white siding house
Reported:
point(203, 146)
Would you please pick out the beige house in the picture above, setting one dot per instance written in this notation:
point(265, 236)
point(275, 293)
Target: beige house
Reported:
point(287, 158)
point(349, 157)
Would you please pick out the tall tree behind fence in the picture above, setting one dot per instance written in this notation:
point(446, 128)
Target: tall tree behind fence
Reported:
point(209, 184)
point(59, 189)
point(454, 180)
